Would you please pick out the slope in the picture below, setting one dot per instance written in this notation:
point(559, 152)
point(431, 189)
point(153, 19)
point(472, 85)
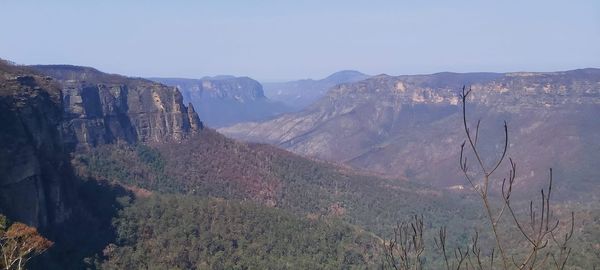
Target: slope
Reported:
point(408, 126)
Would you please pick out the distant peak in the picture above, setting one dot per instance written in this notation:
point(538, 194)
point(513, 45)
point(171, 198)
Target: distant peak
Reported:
point(345, 76)
point(345, 73)
point(65, 67)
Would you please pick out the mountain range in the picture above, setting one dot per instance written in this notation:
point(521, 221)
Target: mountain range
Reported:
point(119, 173)
point(410, 126)
point(301, 93)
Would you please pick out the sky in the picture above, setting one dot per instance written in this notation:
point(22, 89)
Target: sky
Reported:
point(280, 40)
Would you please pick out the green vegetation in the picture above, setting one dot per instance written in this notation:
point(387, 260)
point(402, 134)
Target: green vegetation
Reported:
point(373, 203)
point(214, 166)
point(137, 165)
point(302, 190)
point(189, 232)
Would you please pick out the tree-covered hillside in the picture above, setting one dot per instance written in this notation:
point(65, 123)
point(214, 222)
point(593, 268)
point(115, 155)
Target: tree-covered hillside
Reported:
point(190, 232)
point(215, 166)
point(280, 183)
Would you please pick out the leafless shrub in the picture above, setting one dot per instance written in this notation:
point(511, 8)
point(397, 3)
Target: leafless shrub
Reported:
point(403, 251)
point(541, 244)
point(541, 227)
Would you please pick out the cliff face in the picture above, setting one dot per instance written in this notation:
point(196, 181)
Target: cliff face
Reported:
point(34, 171)
point(226, 100)
point(102, 108)
point(48, 111)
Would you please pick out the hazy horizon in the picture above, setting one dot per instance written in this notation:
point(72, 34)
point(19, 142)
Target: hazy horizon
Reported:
point(278, 41)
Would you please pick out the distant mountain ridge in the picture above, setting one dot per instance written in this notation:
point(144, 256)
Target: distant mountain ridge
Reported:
point(301, 93)
point(406, 125)
point(225, 100)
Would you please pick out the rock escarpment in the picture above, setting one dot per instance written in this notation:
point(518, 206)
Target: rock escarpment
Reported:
point(102, 108)
point(226, 100)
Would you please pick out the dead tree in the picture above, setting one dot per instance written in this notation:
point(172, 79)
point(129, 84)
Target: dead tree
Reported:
point(541, 246)
point(404, 249)
point(541, 228)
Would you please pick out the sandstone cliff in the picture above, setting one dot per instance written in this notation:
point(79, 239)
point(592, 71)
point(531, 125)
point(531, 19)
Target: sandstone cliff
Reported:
point(101, 108)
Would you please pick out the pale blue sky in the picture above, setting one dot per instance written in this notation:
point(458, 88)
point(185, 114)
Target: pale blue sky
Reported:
point(280, 40)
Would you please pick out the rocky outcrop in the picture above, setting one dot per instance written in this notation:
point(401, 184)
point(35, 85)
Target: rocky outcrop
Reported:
point(101, 108)
point(34, 171)
point(226, 100)
point(194, 119)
